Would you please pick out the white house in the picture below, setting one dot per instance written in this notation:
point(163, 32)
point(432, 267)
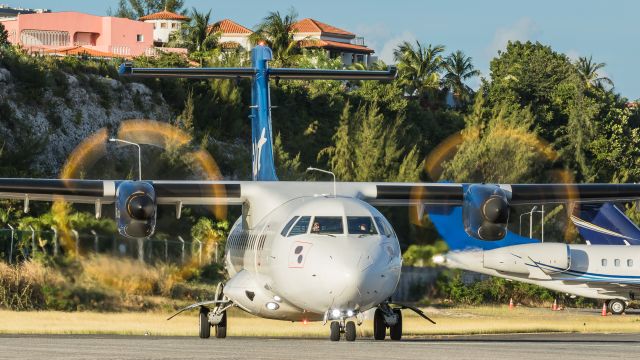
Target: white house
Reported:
point(232, 34)
point(164, 23)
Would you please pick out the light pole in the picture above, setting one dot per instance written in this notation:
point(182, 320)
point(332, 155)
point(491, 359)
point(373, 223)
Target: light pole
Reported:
point(530, 213)
point(139, 154)
point(335, 194)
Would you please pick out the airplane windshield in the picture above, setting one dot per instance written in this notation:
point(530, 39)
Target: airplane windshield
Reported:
point(327, 225)
point(301, 226)
point(382, 227)
point(361, 225)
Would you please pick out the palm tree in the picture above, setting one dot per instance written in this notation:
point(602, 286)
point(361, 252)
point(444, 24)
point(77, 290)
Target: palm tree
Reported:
point(277, 31)
point(588, 70)
point(419, 67)
point(459, 69)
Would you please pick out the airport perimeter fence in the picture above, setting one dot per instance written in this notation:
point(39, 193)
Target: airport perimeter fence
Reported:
point(20, 245)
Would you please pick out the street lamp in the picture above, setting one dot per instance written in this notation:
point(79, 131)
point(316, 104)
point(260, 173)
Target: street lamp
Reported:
point(530, 213)
point(335, 194)
point(139, 154)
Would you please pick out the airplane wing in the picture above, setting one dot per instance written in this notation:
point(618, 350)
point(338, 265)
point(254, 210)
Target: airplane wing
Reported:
point(104, 191)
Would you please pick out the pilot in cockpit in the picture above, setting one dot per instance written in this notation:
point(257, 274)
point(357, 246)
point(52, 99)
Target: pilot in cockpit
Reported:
point(364, 229)
point(315, 228)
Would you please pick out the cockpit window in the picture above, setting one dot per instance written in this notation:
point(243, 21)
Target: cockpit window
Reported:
point(382, 227)
point(285, 230)
point(362, 225)
point(301, 226)
point(327, 225)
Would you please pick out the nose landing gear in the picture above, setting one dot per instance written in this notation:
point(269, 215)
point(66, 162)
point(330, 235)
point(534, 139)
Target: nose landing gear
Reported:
point(339, 327)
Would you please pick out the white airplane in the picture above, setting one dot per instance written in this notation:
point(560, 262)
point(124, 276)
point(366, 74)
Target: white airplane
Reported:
point(606, 268)
point(303, 250)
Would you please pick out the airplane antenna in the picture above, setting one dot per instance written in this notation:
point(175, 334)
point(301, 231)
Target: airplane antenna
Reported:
point(139, 154)
point(335, 194)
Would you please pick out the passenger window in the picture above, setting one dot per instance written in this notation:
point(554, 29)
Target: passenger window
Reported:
point(327, 225)
point(616, 262)
point(288, 226)
point(629, 262)
point(301, 226)
point(604, 262)
point(360, 225)
point(382, 227)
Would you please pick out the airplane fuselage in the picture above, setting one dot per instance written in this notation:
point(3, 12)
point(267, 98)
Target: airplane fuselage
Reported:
point(593, 271)
point(284, 269)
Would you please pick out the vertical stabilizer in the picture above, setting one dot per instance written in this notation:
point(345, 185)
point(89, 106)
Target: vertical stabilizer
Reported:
point(261, 135)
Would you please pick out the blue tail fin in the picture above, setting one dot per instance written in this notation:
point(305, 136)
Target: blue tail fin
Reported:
point(605, 224)
point(449, 225)
point(261, 135)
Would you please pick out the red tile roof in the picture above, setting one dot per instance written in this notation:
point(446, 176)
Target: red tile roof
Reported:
point(227, 26)
point(164, 15)
point(309, 25)
point(80, 50)
point(335, 45)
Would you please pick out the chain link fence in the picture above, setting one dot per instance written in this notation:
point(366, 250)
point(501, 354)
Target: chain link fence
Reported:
point(20, 245)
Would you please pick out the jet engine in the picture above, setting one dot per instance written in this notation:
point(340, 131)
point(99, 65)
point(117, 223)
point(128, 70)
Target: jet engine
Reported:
point(485, 212)
point(136, 209)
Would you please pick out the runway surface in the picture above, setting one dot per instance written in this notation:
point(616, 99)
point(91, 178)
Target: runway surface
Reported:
point(514, 346)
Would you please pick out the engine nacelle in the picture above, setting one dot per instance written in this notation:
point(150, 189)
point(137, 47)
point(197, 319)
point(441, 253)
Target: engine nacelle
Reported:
point(485, 212)
point(136, 209)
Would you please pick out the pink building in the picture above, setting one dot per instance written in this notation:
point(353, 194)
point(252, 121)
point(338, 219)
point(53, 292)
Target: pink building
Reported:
point(68, 30)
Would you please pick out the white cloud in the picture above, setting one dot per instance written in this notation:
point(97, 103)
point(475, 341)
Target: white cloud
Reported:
point(386, 53)
point(573, 54)
point(523, 29)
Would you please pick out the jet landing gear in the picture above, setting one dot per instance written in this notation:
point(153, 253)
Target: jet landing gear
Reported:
point(339, 327)
point(616, 306)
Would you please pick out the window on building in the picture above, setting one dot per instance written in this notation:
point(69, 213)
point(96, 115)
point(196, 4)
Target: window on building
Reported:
point(616, 262)
point(301, 226)
point(44, 38)
point(139, 38)
point(604, 262)
point(360, 58)
point(163, 25)
point(174, 25)
point(629, 262)
point(154, 26)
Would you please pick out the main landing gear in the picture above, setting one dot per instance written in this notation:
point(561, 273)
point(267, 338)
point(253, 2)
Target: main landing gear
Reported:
point(616, 306)
point(339, 327)
point(209, 319)
point(387, 317)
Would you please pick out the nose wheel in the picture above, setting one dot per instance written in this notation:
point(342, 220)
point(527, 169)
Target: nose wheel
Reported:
point(339, 327)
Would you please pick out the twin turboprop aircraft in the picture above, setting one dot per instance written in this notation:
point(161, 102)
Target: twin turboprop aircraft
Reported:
point(316, 251)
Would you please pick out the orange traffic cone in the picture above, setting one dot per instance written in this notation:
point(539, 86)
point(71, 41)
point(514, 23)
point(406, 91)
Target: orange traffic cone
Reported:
point(604, 309)
point(554, 307)
point(511, 304)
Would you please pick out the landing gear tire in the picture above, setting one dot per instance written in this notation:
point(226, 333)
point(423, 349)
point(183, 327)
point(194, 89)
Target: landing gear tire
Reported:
point(616, 306)
point(335, 331)
point(205, 327)
point(350, 331)
point(221, 328)
point(379, 326)
point(395, 331)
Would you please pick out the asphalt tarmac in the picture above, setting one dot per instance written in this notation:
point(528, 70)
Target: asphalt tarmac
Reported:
point(513, 346)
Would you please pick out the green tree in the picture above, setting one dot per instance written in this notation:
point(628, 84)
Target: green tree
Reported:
point(497, 147)
point(459, 69)
point(134, 9)
point(589, 72)
point(287, 167)
point(197, 35)
point(277, 31)
point(4, 35)
point(419, 68)
point(366, 148)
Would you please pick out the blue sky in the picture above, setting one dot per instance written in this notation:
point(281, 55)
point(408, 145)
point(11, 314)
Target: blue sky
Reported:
point(607, 30)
